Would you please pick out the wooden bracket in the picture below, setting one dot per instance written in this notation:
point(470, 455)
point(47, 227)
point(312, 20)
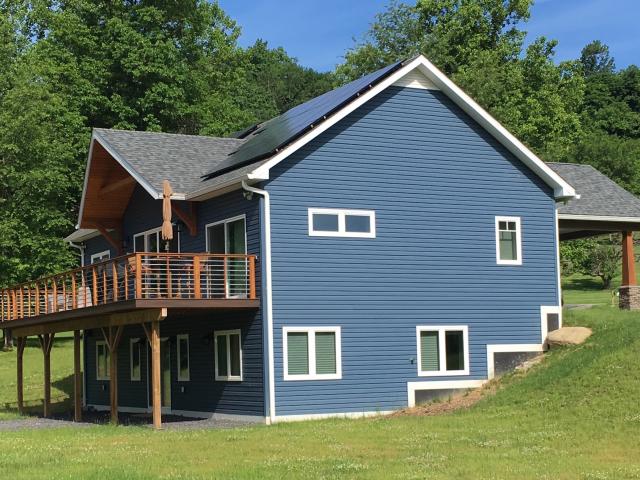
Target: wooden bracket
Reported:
point(188, 217)
point(110, 238)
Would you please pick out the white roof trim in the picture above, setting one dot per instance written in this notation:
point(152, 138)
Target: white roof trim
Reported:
point(598, 218)
point(81, 235)
point(561, 188)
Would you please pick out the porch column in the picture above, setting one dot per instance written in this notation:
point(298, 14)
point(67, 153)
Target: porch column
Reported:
point(46, 343)
point(629, 294)
point(112, 339)
point(77, 378)
point(22, 341)
point(155, 375)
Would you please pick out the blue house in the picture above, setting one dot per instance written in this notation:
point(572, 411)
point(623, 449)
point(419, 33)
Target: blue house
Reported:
point(375, 247)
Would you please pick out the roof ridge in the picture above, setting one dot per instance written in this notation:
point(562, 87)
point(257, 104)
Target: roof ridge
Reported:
point(147, 132)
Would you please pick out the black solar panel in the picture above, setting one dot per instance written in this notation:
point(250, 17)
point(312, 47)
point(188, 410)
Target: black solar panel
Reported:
point(282, 130)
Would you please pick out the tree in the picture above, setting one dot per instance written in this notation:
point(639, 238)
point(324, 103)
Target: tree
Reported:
point(595, 58)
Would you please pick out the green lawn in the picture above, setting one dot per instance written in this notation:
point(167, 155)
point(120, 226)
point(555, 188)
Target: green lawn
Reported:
point(580, 288)
point(577, 415)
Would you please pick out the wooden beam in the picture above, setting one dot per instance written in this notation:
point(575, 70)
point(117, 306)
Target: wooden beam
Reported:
point(112, 338)
point(628, 260)
point(189, 218)
point(22, 341)
point(117, 185)
point(77, 378)
point(110, 238)
point(155, 375)
point(46, 343)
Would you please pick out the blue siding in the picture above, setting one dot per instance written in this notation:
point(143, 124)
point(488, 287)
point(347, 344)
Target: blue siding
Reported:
point(436, 180)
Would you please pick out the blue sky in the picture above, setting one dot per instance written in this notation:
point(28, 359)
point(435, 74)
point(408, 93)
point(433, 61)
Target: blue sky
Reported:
point(318, 32)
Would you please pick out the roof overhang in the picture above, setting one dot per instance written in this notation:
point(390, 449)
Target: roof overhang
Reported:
point(572, 227)
point(562, 190)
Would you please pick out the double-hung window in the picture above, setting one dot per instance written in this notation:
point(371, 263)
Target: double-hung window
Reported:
point(135, 357)
point(508, 241)
point(183, 357)
point(312, 353)
point(228, 353)
point(330, 222)
point(102, 361)
point(443, 350)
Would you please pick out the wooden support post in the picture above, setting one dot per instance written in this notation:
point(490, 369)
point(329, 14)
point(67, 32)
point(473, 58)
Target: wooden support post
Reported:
point(112, 338)
point(155, 375)
point(628, 260)
point(77, 378)
point(22, 341)
point(46, 343)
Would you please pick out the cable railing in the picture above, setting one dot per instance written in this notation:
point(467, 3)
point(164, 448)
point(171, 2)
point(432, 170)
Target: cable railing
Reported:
point(136, 276)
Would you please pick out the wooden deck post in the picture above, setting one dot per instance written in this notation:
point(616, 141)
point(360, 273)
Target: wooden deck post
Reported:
point(46, 343)
point(112, 338)
point(22, 341)
point(155, 375)
point(77, 378)
point(628, 260)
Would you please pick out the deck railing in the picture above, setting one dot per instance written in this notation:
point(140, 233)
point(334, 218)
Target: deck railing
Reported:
point(134, 277)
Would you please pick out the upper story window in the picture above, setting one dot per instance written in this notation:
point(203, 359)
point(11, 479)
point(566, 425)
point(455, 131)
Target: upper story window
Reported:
point(227, 236)
point(329, 222)
point(508, 241)
point(100, 257)
point(443, 350)
point(151, 241)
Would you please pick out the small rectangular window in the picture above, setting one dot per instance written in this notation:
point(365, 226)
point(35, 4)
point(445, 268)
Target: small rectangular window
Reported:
point(134, 359)
point(508, 241)
point(443, 350)
point(327, 222)
point(228, 354)
point(102, 361)
point(183, 358)
point(100, 257)
point(312, 353)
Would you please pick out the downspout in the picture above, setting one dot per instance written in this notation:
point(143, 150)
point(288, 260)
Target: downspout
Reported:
point(81, 248)
point(268, 294)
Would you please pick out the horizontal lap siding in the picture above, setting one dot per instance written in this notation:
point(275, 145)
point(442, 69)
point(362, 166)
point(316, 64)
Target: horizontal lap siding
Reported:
point(202, 392)
point(436, 180)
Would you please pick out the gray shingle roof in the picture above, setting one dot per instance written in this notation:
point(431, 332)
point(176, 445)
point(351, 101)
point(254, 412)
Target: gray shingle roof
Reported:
point(181, 159)
point(599, 195)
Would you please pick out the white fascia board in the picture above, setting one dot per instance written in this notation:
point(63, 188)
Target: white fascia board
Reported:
point(598, 218)
point(81, 235)
point(562, 190)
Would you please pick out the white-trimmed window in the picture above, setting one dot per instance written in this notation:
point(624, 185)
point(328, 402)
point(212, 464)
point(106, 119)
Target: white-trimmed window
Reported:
point(228, 353)
point(135, 359)
point(330, 222)
point(102, 360)
point(100, 256)
point(183, 357)
point(508, 241)
point(312, 353)
point(151, 241)
point(443, 350)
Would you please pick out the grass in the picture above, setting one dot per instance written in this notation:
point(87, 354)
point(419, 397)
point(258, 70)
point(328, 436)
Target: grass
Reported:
point(579, 288)
point(576, 415)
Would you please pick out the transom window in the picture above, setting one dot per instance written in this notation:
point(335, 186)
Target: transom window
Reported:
point(102, 361)
point(183, 357)
point(508, 241)
point(151, 241)
point(327, 222)
point(443, 350)
point(312, 353)
point(135, 351)
point(228, 351)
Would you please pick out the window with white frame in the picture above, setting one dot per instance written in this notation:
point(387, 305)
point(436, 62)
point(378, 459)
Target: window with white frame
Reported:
point(102, 361)
point(312, 353)
point(329, 222)
point(100, 256)
point(151, 241)
point(443, 350)
point(508, 241)
point(135, 359)
point(228, 353)
point(183, 357)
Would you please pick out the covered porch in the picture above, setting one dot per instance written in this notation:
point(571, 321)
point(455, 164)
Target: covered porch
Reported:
point(603, 207)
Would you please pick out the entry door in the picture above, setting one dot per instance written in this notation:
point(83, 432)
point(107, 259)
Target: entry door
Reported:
point(165, 376)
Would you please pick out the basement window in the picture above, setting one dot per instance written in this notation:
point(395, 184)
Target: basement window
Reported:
point(312, 353)
point(183, 358)
point(134, 359)
point(443, 350)
point(228, 352)
point(102, 361)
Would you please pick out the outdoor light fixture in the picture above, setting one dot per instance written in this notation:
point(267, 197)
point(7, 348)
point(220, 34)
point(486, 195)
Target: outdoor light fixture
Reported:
point(247, 195)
